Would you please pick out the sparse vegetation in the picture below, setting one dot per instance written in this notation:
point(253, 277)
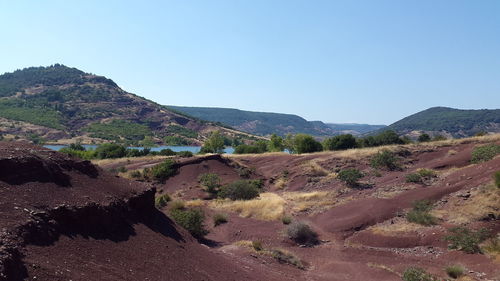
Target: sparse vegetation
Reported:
point(211, 182)
point(421, 213)
point(190, 219)
point(286, 219)
point(285, 257)
point(220, 219)
point(417, 274)
point(485, 153)
point(384, 159)
point(162, 171)
point(455, 271)
point(421, 176)
point(496, 178)
point(257, 245)
point(241, 190)
point(467, 240)
point(301, 233)
point(350, 176)
point(162, 200)
point(119, 128)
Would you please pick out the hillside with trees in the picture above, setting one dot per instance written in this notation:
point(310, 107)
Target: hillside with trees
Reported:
point(63, 104)
point(450, 122)
point(267, 123)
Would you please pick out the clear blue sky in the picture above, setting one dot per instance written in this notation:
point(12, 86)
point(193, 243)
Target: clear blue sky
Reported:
point(372, 61)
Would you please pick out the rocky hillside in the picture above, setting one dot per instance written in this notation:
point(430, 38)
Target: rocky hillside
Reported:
point(450, 122)
point(266, 123)
point(62, 104)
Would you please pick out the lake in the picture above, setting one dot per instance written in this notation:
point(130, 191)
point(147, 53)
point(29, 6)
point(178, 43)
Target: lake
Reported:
point(193, 149)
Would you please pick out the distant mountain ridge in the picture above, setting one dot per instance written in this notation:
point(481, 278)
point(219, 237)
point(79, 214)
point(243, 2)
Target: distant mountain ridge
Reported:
point(266, 123)
point(62, 104)
point(450, 122)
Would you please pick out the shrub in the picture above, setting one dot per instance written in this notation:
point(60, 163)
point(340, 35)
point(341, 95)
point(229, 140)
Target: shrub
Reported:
point(350, 176)
point(191, 220)
point(276, 143)
point(167, 152)
point(464, 239)
point(211, 182)
point(303, 143)
point(185, 154)
point(287, 258)
point(244, 172)
point(162, 200)
point(424, 138)
point(496, 176)
point(162, 171)
point(384, 159)
point(135, 174)
point(240, 190)
point(257, 246)
point(301, 233)
point(214, 143)
point(339, 142)
point(420, 213)
point(439, 138)
point(219, 219)
point(122, 169)
point(384, 138)
point(417, 274)
point(413, 177)
point(110, 150)
point(485, 153)
point(286, 220)
point(454, 271)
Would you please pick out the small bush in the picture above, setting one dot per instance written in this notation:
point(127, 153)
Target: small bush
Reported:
point(413, 177)
point(191, 220)
point(257, 246)
point(167, 152)
point(301, 233)
point(244, 172)
point(211, 182)
point(162, 200)
point(135, 174)
point(122, 169)
point(287, 258)
point(464, 239)
point(240, 190)
point(424, 138)
point(385, 159)
point(454, 271)
point(485, 153)
point(185, 154)
point(420, 213)
point(496, 177)
point(162, 171)
point(286, 220)
point(350, 176)
point(219, 219)
point(417, 274)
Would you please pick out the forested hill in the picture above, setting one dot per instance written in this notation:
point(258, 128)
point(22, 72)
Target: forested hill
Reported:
point(450, 121)
point(59, 103)
point(266, 123)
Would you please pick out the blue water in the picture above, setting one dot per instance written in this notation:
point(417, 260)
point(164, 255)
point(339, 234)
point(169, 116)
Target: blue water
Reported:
point(193, 149)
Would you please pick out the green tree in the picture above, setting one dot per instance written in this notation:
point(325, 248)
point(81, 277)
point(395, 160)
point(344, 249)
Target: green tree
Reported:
point(147, 142)
point(340, 142)
point(424, 138)
point(211, 182)
point(303, 143)
point(214, 143)
point(276, 143)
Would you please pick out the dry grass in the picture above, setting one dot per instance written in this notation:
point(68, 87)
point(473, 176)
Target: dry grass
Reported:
point(384, 267)
point(126, 160)
point(491, 247)
point(398, 226)
point(313, 202)
point(281, 183)
point(194, 203)
point(483, 201)
point(314, 169)
point(269, 206)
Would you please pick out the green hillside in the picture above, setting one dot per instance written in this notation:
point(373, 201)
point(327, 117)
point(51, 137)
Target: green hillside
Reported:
point(266, 123)
point(456, 122)
point(59, 103)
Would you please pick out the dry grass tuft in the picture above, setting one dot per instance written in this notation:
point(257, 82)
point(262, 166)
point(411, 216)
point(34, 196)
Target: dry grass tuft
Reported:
point(269, 206)
point(394, 227)
point(482, 201)
point(194, 203)
point(311, 201)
